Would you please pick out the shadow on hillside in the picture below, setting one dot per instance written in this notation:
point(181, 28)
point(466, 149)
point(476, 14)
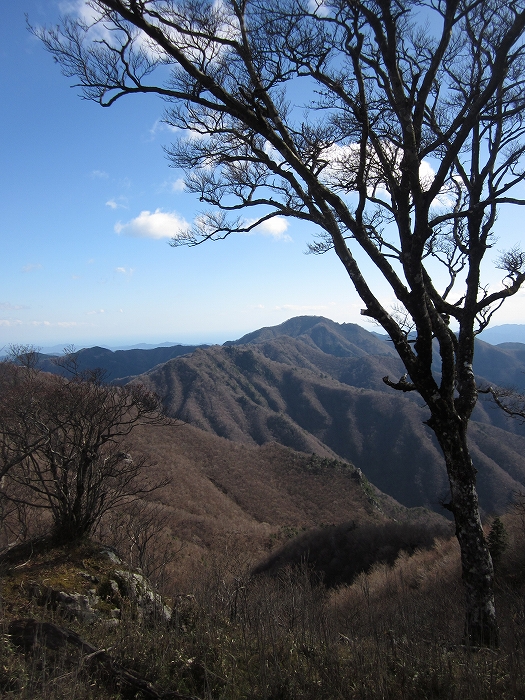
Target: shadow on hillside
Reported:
point(335, 555)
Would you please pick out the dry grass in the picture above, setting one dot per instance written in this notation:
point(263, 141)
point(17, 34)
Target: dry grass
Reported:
point(394, 634)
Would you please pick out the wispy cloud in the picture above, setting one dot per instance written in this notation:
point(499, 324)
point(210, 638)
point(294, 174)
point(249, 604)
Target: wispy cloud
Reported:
point(173, 186)
point(118, 203)
point(124, 183)
point(79, 7)
point(157, 225)
point(298, 307)
point(160, 126)
point(96, 311)
point(31, 267)
point(318, 7)
point(125, 270)
point(6, 306)
point(57, 324)
point(99, 174)
point(178, 185)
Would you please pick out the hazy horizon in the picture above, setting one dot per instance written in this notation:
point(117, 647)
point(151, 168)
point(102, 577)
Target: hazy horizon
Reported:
point(509, 332)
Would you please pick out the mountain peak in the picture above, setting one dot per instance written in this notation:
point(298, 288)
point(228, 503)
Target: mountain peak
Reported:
point(339, 339)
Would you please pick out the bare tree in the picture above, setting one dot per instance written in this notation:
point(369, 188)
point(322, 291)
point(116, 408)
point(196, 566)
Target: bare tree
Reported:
point(509, 401)
point(19, 435)
point(62, 442)
point(141, 531)
point(410, 142)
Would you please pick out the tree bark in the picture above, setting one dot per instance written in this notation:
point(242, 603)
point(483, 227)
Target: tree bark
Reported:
point(477, 570)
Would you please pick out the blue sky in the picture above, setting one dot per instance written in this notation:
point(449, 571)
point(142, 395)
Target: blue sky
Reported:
point(87, 200)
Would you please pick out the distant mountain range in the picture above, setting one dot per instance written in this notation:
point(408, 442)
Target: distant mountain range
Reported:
point(506, 333)
point(120, 363)
point(55, 350)
point(316, 386)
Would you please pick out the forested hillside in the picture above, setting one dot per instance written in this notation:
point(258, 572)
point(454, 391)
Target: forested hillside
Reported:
point(315, 385)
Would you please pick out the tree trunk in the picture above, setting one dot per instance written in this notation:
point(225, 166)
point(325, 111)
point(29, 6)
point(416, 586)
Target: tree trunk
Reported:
point(477, 570)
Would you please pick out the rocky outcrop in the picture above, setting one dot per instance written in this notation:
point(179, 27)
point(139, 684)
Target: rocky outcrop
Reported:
point(69, 605)
point(99, 590)
point(137, 589)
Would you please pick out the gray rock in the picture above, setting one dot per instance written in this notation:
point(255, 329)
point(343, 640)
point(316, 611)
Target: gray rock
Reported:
point(111, 555)
point(136, 587)
point(70, 605)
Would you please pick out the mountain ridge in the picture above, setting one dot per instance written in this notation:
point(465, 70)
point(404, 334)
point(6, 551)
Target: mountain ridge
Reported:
point(316, 386)
point(313, 391)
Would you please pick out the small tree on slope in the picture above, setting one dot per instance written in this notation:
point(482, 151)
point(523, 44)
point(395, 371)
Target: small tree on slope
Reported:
point(63, 446)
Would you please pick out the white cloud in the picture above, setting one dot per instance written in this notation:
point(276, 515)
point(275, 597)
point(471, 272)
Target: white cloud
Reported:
point(426, 174)
point(195, 49)
point(160, 126)
point(124, 270)
point(31, 267)
point(178, 185)
point(272, 152)
point(89, 14)
point(58, 324)
point(157, 126)
point(343, 163)
point(157, 225)
point(318, 7)
point(99, 311)
point(275, 227)
point(99, 174)
point(79, 7)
